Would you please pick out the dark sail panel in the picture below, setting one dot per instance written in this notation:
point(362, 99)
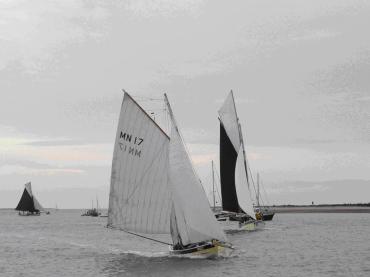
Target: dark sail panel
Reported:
point(228, 157)
point(26, 203)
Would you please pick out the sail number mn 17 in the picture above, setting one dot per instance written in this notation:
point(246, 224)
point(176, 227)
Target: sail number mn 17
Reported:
point(129, 138)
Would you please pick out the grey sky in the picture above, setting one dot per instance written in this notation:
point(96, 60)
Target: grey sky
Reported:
point(299, 70)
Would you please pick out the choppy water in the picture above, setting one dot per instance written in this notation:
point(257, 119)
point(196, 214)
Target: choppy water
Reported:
point(66, 244)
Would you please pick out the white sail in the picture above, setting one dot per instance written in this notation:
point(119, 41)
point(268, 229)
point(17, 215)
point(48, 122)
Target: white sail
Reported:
point(241, 185)
point(229, 120)
point(140, 199)
point(36, 203)
point(195, 220)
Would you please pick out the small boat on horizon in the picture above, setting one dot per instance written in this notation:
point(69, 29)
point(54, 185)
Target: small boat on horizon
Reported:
point(94, 212)
point(28, 204)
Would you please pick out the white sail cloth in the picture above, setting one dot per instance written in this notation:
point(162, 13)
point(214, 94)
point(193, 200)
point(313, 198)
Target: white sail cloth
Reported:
point(140, 199)
point(36, 203)
point(241, 185)
point(195, 220)
point(229, 120)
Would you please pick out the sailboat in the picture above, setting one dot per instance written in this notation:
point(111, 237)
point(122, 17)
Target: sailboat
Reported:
point(28, 204)
point(94, 212)
point(154, 188)
point(262, 212)
point(214, 188)
point(237, 202)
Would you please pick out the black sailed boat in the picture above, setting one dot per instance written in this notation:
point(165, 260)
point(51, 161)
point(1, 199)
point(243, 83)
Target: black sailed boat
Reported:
point(236, 195)
point(28, 204)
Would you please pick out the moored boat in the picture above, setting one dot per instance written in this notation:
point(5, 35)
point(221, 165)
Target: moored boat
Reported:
point(94, 212)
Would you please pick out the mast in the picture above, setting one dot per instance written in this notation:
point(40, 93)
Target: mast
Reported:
point(213, 188)
point(258, 189)
point(240, 137)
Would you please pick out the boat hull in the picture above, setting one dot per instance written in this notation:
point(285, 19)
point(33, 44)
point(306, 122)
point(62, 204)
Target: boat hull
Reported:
point(238, 222)
point(207, 251)
point(29, 214)
point(268, 216)
point(250, 226)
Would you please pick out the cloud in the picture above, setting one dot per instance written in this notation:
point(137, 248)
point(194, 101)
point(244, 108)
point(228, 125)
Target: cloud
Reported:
point(24, 25)
point(162, 8)
point(60, 152)
point(316, 35)
point(22, 170)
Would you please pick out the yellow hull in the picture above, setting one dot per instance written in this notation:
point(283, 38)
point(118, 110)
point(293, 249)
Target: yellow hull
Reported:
point(250, 226)
point(211, 252)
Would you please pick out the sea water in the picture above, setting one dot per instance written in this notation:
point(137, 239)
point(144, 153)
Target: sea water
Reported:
point(66, 244)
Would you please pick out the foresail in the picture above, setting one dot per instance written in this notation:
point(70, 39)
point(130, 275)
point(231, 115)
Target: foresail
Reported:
point(241, 185)
point(26, 202)
point(139, 199)
point(229, 120)
point(36, 204)
point(194, 217)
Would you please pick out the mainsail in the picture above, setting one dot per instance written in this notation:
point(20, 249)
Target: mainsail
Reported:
point(234, 177)
point(28, 201)
point(195, 220)
point(140, 199)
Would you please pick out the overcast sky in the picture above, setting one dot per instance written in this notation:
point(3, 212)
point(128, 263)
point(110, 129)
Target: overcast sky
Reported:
point(300, 72)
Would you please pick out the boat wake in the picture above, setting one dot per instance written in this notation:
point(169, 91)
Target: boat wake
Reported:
point(166, 255)
point(132, 253)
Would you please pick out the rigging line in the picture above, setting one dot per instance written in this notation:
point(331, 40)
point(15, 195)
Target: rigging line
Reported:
point(251, 176)
point(174, 122)
point(219, 180)
point(141, 236)
point(147, 98)
point(267, 200)
point(260, 195)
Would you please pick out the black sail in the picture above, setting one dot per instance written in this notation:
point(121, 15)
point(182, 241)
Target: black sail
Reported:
point(228, 157)
point(26, 202)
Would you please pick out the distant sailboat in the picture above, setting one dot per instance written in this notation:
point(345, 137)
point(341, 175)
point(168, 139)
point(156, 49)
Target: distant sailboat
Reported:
point(154, 189)
point(236, 196)
point(216, 202)
point(262, 212)
point(94, 212)
point(28, 204)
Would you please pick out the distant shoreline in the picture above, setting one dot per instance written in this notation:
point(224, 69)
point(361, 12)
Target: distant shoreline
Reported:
point(336, 208)
point(322, 208)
